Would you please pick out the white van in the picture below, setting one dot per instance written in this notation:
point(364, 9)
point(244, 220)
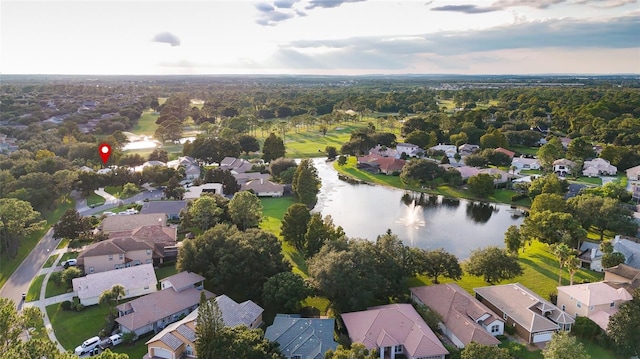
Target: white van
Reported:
point(112, 341)
point(87, 345)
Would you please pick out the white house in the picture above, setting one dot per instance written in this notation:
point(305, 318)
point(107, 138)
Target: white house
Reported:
point(633, 174)
point(523, 163)
point(136, 280)
point(194, 192)
point(410, 149)
point(598, 167)
point(449, 150)
point(264, 188)
point(563, 166)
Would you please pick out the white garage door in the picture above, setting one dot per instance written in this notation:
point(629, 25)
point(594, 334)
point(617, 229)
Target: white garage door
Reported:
point(542, 337)
point(162, 353)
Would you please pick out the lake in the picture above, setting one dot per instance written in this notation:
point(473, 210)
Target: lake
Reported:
point(366, 211)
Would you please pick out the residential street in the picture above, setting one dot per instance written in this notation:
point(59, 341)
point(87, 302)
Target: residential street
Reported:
point(110, 202)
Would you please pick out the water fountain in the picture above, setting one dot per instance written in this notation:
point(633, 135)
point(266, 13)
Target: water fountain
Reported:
point(413, 216)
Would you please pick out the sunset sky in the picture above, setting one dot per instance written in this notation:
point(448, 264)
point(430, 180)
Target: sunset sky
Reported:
point(330, 37)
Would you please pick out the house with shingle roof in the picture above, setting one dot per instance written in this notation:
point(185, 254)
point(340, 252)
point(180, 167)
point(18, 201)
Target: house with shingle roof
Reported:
point(523, 163)
point(182, 280)
point(394, 329)
point(138, 280)
point(563, 166)
point(127, 223)
point(598, 167)
point(534, 319)
point(264, 188)
point(597, 301)
point(623, 276)
point(237, 165)
point(630, 248)
point(464, 318)
point(247, 313)
point(506, 152)
point(170, 208)
point(302, 338)
point(155, 311)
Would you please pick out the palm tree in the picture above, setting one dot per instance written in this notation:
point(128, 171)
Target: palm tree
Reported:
point(563, 252)
point(111, 296)
point(573, 265)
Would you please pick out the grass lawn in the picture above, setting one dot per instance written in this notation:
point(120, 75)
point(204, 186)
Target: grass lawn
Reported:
point(63, 243)
point(50, 261)
point(530, 172)
point(321, 303)
point(146, 123)
point(165, 272)
point(72, 328)
point(520, 351)
point(350, 169)
point(94, 200)
point(597, 181)
point(34, 288)
point(8, 266)
point(596, 351)
point(524, 149)
point(54, 289)
point(69, 255)
point(113, 190)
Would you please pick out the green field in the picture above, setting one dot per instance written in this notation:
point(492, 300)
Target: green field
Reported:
point(54, 289)
point(524, 149)
point(50, 261)
point(8, 266)
point(94, 200)
point(164, 272)
point(146, 125)
point(34, 288)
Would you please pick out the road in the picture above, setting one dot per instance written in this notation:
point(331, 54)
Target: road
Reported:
point(19, 281)
point(82, 208)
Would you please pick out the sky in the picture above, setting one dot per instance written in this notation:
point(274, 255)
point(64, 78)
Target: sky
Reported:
point(320, 37)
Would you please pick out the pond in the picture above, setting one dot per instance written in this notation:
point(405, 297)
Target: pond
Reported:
point(428, 221)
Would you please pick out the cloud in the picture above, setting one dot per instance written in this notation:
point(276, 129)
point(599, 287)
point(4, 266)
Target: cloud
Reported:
point(606, 4)
point(328, 3)
point(284, 4)
point(264, 7)
point(538, 4)
point(168, 38)
point(467, 9)
point(273, 18)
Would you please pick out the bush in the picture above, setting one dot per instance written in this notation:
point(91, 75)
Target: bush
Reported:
point(56, 277)
point(79, 307)
point(128, 337)
point(66, 305)
point(553, 298)
point(586, 328)
point(510, 329)
point(517, 197)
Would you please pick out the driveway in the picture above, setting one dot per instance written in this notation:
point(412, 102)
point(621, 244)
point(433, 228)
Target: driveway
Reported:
point(19, 281)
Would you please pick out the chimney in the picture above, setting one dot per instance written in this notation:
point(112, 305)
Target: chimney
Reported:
point(261, 180)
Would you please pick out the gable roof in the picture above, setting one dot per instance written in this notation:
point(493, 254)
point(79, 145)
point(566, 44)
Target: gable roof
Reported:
point(123, 223)
point(100, 249)
point(390, 163)
point(625, 271)
point(168, 337)
point(92, 285)
point(260, 185)
point(183, 280)
point(597, 293)
point(234, 314)
point(460, 312)
point(506, 151)
point(524, 307)
point(168, 207)
point(155, 306)
point(393, 324)
point(309, 338)
point(630, 249)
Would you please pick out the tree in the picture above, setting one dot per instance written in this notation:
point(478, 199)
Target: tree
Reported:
point(492, 263)
point(71, 225)
point(552, 227)
point(422, 171)
point(564, 346)
point(205, 213)
point(623, 327)
point(612, 259)
point(111, 297)
point(159, 155)
point(17, 220)
point(209, 329)
point(481, 184)
point(306, 183)
point(294, 225)
point(475, 350)
point(549, 152)
point(280, 165)
point(548, 201)
point(513, 240)
point(357, 351)
point(245, 210)
point(563, 253)
point(342, 160)
point(439, 262)
point(272, 148)
point(229, 183)
point(319, 232)
point(173, 189)
point(548, 184)
point(603, 213)
point(129, 190)
point(69, 274)
point(573, 264)
point(242, 342)
point(331, 151)
point(284, 291)
point(248, 144)
point(580, 148)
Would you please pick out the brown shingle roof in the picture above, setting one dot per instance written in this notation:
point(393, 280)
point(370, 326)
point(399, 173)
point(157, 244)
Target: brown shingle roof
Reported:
point(100, 249)
point(124, 223)
point(183, 280)
point(459, 311)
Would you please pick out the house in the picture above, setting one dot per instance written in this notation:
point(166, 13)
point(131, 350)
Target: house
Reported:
point(243, 178)
point(124, 223)
point(177, 340)
point(136, 281)
point(302, 338)
point(153, 312)
point(633, 176)
point(390, 165)
point(623, 276)
point(86, 169)
point(246, 313)
point(590, 256)
point(467, 171)
point(464, 318)
point(630, 248)
point(383, 151)
point(598, 301)
point(394, 329)
point(523, 163)
point(142, 245)
point(534, 319)
point(264, 188)
point(182, 280)
point(598, 167)
point(191, 167)
point(449, 150)
point(194, 192)
point(237, 165)
point(506, 152)
point(409, 149)
point(149, 164)
point(170, 208)
point(565, 141)
point(563, 166)
point(467, 149)
point(499, 176)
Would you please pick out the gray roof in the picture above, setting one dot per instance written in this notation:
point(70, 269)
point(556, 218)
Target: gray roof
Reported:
point(174, 327)
point(123, 223)
point(186, 332)
point(171, 340)
point(183, 280)
point(309, 338)
point(168, 207)
point(234, 314)
point(630, 249)
point(92, 285)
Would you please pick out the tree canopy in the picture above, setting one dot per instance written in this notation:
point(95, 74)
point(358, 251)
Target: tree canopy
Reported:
point(493, 264)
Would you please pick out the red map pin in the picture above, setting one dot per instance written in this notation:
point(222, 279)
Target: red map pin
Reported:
point(105, 151)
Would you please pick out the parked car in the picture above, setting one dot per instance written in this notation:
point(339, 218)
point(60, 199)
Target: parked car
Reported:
point(69, 263)
point(111, 341)
point(108, 213)
point(87, 346)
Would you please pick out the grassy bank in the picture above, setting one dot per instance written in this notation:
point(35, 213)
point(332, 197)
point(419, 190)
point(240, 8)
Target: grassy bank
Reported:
point(8, 266)
point(499, 196)
point(34, 288)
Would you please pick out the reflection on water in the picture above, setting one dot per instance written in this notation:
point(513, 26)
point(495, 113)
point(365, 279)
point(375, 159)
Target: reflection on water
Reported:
point(366, 211)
